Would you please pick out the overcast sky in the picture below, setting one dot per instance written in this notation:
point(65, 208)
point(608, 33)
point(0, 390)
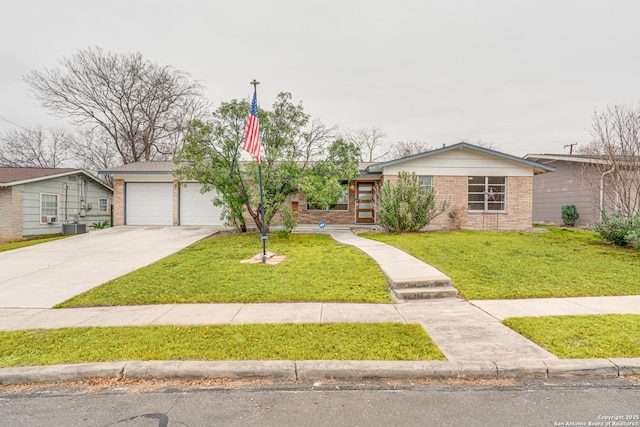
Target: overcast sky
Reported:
point(525, 76)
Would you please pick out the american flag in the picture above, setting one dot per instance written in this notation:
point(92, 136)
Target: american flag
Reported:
point(252, 135)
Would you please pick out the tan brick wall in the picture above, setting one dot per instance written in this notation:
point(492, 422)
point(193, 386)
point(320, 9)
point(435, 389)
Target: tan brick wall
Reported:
point(329, 216)
point(118, 202)
point(10, 213)
point(176, 202)
point(518, 214)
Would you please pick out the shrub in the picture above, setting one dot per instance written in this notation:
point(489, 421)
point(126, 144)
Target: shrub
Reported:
point(619, 229)
point(407, 205)
point(455, 216)
point(100, 225)
point(289, 218)
point(569, 215)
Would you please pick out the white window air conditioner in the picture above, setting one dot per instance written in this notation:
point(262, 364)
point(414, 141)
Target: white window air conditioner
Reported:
point(51, 219)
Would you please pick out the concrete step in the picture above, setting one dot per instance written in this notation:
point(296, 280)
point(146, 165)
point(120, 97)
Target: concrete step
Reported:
point(422, 283)
point(425, 293)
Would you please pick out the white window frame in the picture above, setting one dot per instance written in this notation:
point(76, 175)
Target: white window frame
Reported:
point(426, 181)
point(42, 214)
point(493, 194)
point(106, 205)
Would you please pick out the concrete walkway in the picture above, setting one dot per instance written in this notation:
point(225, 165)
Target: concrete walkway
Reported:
point(537, 307)
point(397, 265)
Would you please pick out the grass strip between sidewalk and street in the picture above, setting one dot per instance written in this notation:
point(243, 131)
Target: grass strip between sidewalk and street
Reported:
point(16, 244)
point(316, 269)
point(339, 341)
point(542, 264)
point(583, 337)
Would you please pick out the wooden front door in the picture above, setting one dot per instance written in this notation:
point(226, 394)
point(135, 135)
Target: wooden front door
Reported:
point(365, 203)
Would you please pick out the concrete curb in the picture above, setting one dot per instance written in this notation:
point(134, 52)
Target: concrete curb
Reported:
point(310, 370)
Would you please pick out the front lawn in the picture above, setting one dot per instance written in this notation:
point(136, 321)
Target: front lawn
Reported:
point(583, 337)
point(341, 341)
point(15, 244)
point(499, 264)
point(316, 269)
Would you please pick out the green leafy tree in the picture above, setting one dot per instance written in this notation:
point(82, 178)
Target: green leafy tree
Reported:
point(296, 156)
point(407, 205)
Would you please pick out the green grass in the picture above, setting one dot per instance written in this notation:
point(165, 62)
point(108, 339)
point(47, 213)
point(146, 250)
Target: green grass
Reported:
point(317, 269)
point(342, 341)
point(583, 337)
point(28, 242)
point(498, 264)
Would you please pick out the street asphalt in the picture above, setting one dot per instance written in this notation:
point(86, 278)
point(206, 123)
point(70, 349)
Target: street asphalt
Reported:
point(469, 333)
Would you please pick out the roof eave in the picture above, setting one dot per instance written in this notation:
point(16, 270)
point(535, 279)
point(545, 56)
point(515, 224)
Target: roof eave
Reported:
point(57, 175)
point(462, 145)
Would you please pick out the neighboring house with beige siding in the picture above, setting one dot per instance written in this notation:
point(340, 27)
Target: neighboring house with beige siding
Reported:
point(40, 201)
point(575, 182)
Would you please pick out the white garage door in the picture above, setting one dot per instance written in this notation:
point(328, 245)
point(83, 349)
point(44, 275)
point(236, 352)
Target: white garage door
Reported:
point(197, 208)
point(149, 203)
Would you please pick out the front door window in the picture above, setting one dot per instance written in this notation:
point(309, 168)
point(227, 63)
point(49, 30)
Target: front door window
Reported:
point(365, 203)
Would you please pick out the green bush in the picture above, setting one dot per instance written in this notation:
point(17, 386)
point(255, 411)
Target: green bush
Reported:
point(290, 218)
point(100, 225)
point(407, 205)
point(569, 215)
point(619, 229)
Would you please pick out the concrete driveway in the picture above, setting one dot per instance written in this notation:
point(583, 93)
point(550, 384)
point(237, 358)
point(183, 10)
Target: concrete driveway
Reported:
point(44, 275)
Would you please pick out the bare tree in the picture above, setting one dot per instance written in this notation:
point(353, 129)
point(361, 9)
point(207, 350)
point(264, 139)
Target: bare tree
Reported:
point(27, 147)
point(317, 139)
point(371, 143)
point(93, 151)
point(408, 148)
point(143, 107)
point(613, 166)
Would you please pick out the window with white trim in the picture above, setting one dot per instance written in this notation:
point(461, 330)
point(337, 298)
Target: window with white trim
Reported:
point(342, 205)
point(487, 193)
point(103, 205)
point(426, 181)
point(48, 208)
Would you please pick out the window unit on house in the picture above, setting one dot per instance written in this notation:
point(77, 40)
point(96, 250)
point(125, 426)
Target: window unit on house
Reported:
point(103, 205)
point(426, 181)
point(342, 205)
point(48, 208)
point(487, 193)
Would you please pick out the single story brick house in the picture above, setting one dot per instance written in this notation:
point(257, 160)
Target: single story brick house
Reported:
point(40, 201)
point(487, 189)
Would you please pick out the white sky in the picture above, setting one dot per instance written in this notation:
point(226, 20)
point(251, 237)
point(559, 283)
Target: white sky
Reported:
point(523, 75)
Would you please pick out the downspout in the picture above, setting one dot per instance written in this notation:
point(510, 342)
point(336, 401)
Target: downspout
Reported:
point(66, 203)
point(602, 188)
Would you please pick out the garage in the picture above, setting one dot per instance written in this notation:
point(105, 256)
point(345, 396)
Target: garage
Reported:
point(149, 203)
point(197, 208)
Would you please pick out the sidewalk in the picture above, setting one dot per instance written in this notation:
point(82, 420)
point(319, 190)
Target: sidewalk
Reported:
point(470, 334)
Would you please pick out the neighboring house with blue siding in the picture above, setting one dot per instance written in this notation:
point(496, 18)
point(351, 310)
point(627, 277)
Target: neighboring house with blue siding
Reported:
point(39, 201)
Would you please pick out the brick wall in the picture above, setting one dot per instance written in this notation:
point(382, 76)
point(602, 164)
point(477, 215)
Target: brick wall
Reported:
point(328, 216)
point(10, 213)
point(519, 208)
point(176, 202)
point(118, 202)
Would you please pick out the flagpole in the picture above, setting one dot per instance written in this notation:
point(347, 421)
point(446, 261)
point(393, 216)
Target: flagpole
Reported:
point(264, 236)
